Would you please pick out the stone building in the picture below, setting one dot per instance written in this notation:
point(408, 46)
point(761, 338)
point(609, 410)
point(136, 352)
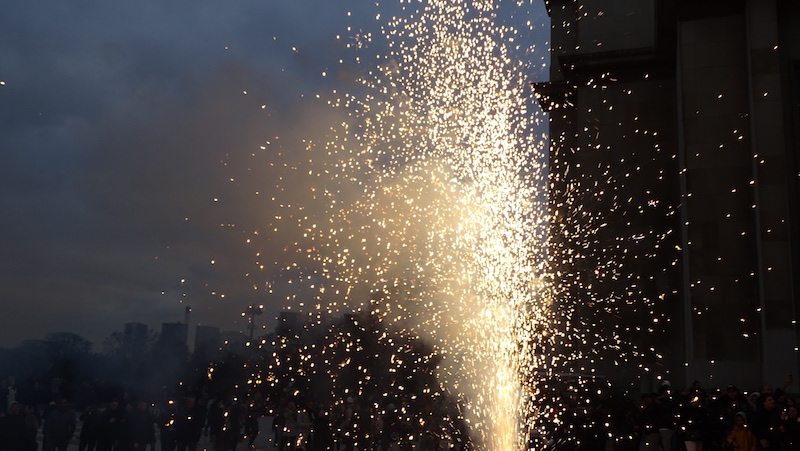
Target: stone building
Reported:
point(675, 136)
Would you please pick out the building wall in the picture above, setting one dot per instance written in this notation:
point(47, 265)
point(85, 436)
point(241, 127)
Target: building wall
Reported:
point(789, 42)
point(622, 24)
point(614, 194)
point(770, 87)
point(674, 168)
point(721, 246)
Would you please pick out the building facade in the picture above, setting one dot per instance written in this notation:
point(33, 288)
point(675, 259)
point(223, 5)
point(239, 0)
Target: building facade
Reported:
point(674, 129)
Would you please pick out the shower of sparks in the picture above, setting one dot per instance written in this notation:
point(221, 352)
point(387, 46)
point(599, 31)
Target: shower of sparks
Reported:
point(427, 212)
point(447, 227)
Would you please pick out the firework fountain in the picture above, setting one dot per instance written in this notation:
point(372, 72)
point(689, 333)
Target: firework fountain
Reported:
point(430, 210)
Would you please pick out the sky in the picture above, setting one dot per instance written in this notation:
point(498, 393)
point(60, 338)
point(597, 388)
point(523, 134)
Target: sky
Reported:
point(134, 137)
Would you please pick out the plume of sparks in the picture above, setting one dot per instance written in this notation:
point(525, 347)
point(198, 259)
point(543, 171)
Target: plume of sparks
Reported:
point(448, 224)
point(430, 213)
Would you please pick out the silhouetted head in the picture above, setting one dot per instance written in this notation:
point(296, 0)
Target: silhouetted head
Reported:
point(732, 392)
point(768, 401)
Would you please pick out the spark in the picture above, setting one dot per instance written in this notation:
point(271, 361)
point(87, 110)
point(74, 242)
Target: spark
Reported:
point(426, 211)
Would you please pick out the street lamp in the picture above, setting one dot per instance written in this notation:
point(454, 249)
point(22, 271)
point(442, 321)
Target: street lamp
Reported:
point(252, 311)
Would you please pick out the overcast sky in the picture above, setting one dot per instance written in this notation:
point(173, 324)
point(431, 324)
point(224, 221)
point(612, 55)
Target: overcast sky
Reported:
point(121, 127)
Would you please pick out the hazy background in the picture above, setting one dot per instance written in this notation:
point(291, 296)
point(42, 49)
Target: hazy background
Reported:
point(131, 140)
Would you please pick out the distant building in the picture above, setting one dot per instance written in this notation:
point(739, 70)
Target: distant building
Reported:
point(174, 335)
point(135, 339)
point(289, 323)
point(675, 138)
point(233, 337)
point(206, 341)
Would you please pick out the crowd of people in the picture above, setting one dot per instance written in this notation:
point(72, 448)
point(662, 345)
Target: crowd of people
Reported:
point(127, 425)
point(692, 419)
point(689, 419)
point(223, 423)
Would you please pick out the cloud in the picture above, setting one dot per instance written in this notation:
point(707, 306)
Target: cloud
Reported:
point(119, 125)
point(131, 152)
